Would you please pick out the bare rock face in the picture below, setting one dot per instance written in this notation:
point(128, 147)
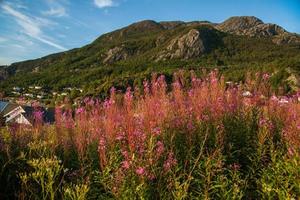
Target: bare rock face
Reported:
point(266, 30)
point(238, 25)
point(254, 27)
point(287, 38)
point(116, 54)
point(186, 46)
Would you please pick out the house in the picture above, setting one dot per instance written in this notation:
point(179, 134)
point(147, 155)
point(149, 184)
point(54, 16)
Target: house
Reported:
point(28, 95)
point(64, 94)
point(15, 113)
point(37, 87)
point(18, 89)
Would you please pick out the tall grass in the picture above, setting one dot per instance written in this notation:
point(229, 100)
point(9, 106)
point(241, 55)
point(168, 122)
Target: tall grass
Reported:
point(195, 139)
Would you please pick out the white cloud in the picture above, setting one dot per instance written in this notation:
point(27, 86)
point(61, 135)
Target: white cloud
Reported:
point(51, 43)
point(56, 11)
point(32, 26)
point(104, 3)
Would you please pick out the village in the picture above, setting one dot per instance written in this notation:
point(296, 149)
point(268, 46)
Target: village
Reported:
point(39, 93)
point(17, 107)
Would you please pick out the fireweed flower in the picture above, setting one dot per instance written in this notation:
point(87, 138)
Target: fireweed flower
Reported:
point(146, 87)
point(140, 171)
point(151, 177)
point(38, 116)
point(80, 110)
point(120, 136)
point(68, 119)
point(107, 103)
point(125, 164)
point(102, 144)
point(190, 126)
point(128, 95)
point(170, 162)
point(266, 76)
point(159, 148)
point(263, 122)
point(125, 154)
point(156, 131)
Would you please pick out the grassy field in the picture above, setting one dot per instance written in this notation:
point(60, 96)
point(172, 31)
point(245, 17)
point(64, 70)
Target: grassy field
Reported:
point(202, 138)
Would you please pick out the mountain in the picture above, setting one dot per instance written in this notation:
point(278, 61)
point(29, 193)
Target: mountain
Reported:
point(131, 54)
point(254, 27)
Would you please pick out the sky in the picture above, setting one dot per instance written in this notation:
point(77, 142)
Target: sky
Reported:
point(31, 29)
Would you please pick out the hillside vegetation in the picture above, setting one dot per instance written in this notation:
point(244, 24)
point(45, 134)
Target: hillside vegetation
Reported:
point(131, 54)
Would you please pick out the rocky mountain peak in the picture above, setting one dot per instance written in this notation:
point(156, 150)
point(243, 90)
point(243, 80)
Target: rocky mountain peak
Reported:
point(234, 24)
point(254, 27)
point(171, 24)
point(145, 25)
point(141, 27)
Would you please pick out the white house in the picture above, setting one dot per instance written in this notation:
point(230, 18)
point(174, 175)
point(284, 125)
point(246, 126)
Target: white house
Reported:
point(13, 113)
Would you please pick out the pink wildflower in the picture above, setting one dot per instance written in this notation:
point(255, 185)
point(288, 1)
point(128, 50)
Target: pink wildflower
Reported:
point(38, 116)
point(125, 164)
point(170, 162)
point(156, 131)
point(266, 76)
point(140, 171)
point(79, 110)
point(159, 148)
point(102, 144)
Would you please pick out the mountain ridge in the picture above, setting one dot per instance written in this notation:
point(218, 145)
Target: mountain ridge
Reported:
point(132, 49)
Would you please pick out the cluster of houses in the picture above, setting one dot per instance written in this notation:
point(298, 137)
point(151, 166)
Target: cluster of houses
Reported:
point(30, 92)
point(39, 93)
point(12, 113)
point(16, 107)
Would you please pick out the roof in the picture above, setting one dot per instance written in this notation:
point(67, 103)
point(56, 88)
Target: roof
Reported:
point(8, 108)
point(3, 104)
point(48, 114)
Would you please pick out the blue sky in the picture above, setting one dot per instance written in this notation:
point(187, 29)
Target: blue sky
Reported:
point(33, 28)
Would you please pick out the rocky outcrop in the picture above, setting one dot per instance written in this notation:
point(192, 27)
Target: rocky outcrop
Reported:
point(287, 38)
point(116, 54)
point(187, 46)
point(238, 25)
point(254, 27)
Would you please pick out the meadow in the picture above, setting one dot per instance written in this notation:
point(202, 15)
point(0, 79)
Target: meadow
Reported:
point(198, 138)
